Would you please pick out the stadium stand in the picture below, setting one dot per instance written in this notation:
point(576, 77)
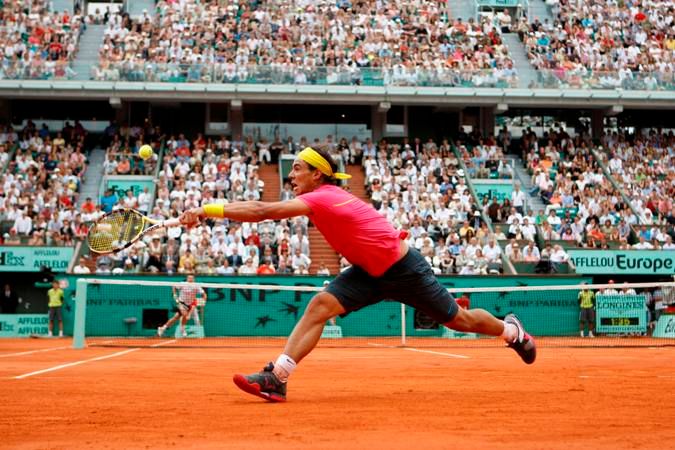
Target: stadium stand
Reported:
point(602, 44)
point(644, 167)
point(41, 183)
point(305, 43)
point(36, 43)
point(421, 189)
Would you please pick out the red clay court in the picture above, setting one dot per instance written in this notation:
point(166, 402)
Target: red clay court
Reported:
point(340, 398)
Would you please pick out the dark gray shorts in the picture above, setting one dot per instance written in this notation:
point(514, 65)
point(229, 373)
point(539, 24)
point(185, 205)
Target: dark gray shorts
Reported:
point(410, 281)
point(587, 315)
point(55, 313)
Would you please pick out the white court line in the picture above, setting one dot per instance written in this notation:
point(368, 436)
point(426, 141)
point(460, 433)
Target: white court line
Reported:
point(411, 349)
point(375, 344)
point(163, 343)
point(451, 355)
point(4, 355)
point(76, 363)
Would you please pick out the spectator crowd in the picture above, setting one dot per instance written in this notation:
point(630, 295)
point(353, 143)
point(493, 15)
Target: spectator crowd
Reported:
point(403, 42)
point(36, 43)
point(39, 187)
point(604, 44)
point(420, 187)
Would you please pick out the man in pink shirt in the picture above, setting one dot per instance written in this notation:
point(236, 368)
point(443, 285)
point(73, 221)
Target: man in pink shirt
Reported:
point(383, 267)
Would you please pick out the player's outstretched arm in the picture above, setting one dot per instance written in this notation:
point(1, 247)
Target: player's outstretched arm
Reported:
point(250, 211)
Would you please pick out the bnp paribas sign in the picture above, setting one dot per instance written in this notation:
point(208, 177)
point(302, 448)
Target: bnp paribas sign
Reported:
point(623, 262)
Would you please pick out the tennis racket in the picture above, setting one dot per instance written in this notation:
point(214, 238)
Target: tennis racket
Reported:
point(119, 229)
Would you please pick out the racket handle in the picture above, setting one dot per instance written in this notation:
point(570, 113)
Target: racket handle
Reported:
point(171, 222)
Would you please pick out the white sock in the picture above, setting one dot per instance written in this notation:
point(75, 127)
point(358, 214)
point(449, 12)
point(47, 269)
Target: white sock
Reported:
point(284, 367)
point(581, 333)
point(510, 333)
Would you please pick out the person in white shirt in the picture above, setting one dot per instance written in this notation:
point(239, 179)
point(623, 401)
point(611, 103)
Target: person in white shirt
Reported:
point(144, 200)
point(225, 268)
point(300, 259)
point(248, 268)
point(23, 224)
point(627, 291)
point(643, 244)
point(559, 255)
point(81, 267)
point(469, 269)
point(492, 252)
point(518, 198)
point(610, 290)
point(513, 216)
point(531, 252)
point(554, 220)
point(528, 230)
point(470, 251)
point(129, 201)
point(323, 270)
point(299, 240)
point(669, 243)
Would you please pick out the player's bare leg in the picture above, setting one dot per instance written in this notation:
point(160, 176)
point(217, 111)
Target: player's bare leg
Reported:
point(183, 322)
point(270, 384)
point(307, 331)
point(510, 329)
point(476, 321)
point(171, 321)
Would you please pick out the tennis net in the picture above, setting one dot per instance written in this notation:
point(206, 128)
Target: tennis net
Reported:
point(118, 312)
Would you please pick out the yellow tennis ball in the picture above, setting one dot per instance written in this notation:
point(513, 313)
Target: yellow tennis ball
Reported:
point(145, 152)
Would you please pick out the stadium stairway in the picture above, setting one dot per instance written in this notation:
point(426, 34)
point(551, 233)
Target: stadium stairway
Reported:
point(136, 8)
point(62, 5)
point(93, 176)
point(87, 55)
point(527, 74)
point(463, 9)
point(533, 202)
point(357, 182)
point(540, 10)
point(269, 174)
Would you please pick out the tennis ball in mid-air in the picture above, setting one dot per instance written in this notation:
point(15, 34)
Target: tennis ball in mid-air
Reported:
point(145, 152)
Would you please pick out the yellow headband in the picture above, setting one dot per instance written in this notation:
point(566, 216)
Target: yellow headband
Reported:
point(314, 159)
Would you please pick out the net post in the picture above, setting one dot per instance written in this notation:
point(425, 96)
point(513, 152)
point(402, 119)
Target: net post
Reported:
point(402, 324)
point(80, 313)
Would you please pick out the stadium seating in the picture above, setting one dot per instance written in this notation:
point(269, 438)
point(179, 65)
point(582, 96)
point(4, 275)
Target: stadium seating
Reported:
point(644, 167)
point(277, 42)
point(40, 185)
point(37, 43)
point(594, 44)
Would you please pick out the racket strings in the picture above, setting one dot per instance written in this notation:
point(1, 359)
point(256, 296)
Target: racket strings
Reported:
point(114, 231)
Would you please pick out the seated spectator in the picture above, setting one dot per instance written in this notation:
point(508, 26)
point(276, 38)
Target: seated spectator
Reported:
point(247, 268)
point(81, 267)
point(469, 269)
point(531, 253)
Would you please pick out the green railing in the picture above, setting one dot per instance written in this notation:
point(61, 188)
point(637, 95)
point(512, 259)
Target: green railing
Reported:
point(341, 75)
point(588, 79)
point(44, 70)
point(141, 71)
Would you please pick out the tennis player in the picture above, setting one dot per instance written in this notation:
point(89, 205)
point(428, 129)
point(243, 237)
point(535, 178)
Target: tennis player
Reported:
point(186, 297)
point(384, 267)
